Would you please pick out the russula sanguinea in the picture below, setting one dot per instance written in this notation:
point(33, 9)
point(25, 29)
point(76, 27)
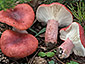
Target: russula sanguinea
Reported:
point(18, 45)
point(21, 17)
point(54, 15)
point(74, 38)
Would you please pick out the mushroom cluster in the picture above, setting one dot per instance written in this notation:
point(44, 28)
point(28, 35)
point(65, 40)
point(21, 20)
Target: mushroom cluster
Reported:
point(54, 15)
point(18, 43)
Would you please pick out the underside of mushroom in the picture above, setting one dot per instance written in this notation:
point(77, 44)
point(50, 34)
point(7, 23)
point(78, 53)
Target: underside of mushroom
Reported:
point(54, 15)
point(74, 38)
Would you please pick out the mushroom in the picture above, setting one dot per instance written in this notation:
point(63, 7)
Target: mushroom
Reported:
point(54, 15)
point(21, 17)
point(74, 38)
point(18, 45)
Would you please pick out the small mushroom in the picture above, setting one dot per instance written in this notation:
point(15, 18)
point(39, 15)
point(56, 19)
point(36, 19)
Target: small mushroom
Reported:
point(21, 17)
point(18, 45)
point(54, 15)
point(74, 38)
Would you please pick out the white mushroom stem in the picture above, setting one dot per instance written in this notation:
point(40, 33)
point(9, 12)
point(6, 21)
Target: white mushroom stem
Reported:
point(65, 49)
point(51, 32)
point(20, 31)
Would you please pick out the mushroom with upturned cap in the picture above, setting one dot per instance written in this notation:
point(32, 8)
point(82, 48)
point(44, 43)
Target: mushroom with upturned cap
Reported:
point(74, 38)
point(18, 45)
point(54, 15)
point(21, 17)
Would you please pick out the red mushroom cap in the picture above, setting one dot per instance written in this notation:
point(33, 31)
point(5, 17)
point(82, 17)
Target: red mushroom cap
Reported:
point(18, 45)
point(21, 17)
point(82, 36)
point(75, 33)
point(81, 33)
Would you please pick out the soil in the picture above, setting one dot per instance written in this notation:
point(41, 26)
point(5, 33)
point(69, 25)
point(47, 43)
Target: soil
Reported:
point(34, 58)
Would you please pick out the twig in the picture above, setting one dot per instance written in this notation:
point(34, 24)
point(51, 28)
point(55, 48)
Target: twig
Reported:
point(30, 62)
point(14, 60)
point(52, 50)
point(63, 1)
point(26, 59)
point(34, 22)
point(34, 2)
point(59, 60)
point(75, 60)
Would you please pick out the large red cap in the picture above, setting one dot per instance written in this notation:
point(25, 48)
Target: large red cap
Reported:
point(18, 45)
point(21, 17)
point(75, 33)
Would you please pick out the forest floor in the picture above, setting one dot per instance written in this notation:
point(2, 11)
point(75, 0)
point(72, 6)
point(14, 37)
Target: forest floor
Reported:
point(34, 58)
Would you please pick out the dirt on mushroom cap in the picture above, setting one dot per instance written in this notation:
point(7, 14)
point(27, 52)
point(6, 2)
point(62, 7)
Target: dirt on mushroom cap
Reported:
point(18, 45)
point(21, 17)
